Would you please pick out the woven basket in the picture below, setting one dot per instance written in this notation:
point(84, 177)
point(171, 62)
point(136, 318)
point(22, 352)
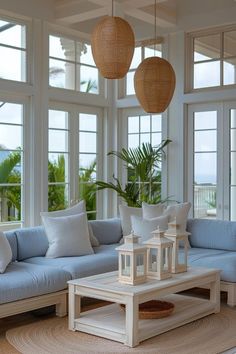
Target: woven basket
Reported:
point(154, 309)
point(113, 47)
point(154, 83)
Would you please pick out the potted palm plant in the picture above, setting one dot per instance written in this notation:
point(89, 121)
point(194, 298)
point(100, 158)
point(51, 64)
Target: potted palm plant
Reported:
point(143, 165)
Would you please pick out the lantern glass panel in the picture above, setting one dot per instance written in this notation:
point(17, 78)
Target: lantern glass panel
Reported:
point(125, 265)
point(165, 259)
point(181, 254)
point(139, 265)
point(152, 263)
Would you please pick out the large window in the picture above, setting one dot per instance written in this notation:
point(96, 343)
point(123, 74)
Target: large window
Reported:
point(213, 59)
point(71, 65)
point(11, 162)
point(140, 53)
point(13, 51)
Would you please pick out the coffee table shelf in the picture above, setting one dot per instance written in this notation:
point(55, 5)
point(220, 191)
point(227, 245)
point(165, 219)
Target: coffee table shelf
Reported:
point(114, 323)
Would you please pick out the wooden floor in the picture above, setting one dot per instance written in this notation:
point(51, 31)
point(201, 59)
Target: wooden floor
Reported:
point(31, 317)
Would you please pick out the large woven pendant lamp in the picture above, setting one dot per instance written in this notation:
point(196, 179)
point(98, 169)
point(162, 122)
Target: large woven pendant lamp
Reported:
point(113, 46)
point(154, 83)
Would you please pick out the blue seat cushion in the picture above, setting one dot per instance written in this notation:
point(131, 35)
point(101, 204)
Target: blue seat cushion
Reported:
point(23, 280)
point(105, 259)
point(215, 234)
point(107, 231)
point(32, 242)
point(11, 236)
point(219, 259)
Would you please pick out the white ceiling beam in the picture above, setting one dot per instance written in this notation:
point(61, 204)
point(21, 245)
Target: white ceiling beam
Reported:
point(81, 16)
point(164, 18)
point(140, 3)
point(101, 2)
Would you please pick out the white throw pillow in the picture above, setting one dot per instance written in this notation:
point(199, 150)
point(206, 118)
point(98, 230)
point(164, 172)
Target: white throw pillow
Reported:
point(74, 210)
point(5, 252)
point(152, 210)
point(125, 214)
point(180, 212)
point(67, 236)
point(143, 227)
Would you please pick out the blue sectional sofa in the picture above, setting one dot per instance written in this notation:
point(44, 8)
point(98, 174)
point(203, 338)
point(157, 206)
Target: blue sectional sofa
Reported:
point(33, 281)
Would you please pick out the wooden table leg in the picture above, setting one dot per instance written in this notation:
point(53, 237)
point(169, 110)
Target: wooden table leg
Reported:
point(215, 292)
point(132, 321)
point(74, 307)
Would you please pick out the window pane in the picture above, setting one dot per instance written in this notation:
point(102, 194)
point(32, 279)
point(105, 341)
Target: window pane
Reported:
point(10, 203)
point(205, 201)
point(229, 44)
point(156, 139)
point(145, 124)
point(87, 142)
point(13, 67)
point(207, 74)
point(62, 48)
point(145, 138)
point(156, 122)
point(136, 58)
point(205, 168)
point(205, 120)
point(233, 139)
point(133, 124)
point(87, 161)
point(133, 141)
point(87, 122)
point(233, 169)
point(61, 74)
point(150, 52)
point(208, 47)
point(85, 52)
point(57, 140)
point(233, 203)
point(57, 197)
point(130, 83)
point(229, 66)
point(205, 140)
point(12, 34)
point(57, 167)
point(13, 158)
point(10, 136)
point(87, 192)
point(11, 113)
point(233, 118)
point(88, 81)
point(58, 119)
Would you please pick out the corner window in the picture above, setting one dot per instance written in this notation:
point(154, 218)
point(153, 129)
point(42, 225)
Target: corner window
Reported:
point(13, 51)
point(11, 162)
point(213, 59)
point(71, 65)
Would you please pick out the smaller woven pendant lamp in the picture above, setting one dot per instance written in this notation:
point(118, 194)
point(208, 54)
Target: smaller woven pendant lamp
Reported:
point(154, 83)
point(113, 46)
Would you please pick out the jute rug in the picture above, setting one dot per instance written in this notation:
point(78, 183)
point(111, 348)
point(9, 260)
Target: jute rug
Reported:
point(210, 335)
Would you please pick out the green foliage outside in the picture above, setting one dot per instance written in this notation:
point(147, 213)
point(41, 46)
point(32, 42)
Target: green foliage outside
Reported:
point(143, 165)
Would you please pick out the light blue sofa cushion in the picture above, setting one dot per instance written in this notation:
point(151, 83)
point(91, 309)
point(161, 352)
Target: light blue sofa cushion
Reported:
point(216, 234)
point(32, 242)
point(23, 280)
point(107, 231)
point(11, 236)
point(219, 259)
point(105, 259)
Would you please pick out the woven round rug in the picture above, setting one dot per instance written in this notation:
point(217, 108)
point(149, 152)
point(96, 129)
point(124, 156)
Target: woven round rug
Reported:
point(209, 335)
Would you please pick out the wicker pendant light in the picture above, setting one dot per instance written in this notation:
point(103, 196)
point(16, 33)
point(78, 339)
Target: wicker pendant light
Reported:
point(113, 46)
point(154, 83)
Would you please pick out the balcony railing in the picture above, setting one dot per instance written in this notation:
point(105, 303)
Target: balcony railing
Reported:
point(205, 201)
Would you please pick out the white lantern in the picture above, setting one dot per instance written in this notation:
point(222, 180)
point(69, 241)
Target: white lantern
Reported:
point(159, 255)
point(180, 247)
point(132, 261)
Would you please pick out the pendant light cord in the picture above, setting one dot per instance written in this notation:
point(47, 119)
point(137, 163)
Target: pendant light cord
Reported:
point(112, 7)
point(155, 25)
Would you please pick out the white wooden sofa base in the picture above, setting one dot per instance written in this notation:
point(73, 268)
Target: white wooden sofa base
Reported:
point(60, 300)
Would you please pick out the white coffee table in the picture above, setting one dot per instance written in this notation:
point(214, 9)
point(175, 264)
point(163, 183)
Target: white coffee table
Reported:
point(124, 326)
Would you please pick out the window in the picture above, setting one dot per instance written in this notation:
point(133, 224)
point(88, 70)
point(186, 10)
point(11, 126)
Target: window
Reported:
point(232, 187)
point(71, 65)
point(213, 59)
point(11, 162)
point(140, 53)
point(13, 51)
point(58, 159)
point(88, 161)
